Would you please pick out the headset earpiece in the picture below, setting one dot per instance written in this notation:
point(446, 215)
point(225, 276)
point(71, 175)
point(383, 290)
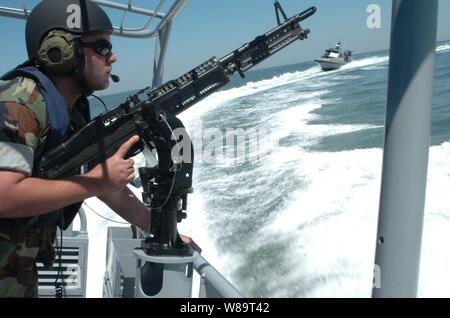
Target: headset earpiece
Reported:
point(58, 53)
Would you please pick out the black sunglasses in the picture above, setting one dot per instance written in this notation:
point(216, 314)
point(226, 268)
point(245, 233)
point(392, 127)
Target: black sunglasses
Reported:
point(101, 47)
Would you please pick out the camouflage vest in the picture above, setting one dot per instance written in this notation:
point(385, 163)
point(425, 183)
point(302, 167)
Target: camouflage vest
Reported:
point(58, 116)
point(22, 243)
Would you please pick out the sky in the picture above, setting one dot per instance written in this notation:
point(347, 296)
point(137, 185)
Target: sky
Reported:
point(207, 28)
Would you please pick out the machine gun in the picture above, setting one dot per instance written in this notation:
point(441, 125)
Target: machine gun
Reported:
point(153, 118)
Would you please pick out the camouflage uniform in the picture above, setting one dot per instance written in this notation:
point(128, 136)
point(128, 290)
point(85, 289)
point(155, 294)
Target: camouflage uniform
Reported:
point(24, 127)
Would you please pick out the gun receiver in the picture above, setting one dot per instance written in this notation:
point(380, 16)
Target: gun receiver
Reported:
point(106, 133)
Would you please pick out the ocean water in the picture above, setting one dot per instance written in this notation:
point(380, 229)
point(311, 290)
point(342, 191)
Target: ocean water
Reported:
point(297, 216)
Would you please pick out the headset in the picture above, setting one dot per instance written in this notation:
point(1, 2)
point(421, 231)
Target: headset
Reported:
point(60, 53)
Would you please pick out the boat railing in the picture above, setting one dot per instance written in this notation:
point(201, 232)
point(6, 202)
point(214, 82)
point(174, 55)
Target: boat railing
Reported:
point(153, 19)
point(124, 275)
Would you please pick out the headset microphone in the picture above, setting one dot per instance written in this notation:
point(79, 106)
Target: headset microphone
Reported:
point(115, 78)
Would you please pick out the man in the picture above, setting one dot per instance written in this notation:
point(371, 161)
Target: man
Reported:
point(41, 103)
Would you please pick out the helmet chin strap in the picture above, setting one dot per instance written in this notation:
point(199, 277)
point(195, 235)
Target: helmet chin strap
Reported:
point(78, 72)
point(85, 89)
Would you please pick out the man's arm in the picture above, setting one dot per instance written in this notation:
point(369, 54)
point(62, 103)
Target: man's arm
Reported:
point(125, 203)
point(22, 196)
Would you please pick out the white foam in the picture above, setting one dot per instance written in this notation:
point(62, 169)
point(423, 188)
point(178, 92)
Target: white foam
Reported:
point(435, 261)
point(370, 61)
point(250, 88)
point(332, 224)
point(374, 67)
point(296, 120)
point(443, 48)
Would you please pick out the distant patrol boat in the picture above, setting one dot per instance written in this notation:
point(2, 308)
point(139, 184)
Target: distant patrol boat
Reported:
point(334, 58)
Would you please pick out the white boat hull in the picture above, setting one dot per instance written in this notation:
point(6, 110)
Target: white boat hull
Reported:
point(328, 64)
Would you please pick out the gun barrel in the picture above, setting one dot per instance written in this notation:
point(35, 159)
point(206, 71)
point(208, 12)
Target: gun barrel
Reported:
point(263, 46)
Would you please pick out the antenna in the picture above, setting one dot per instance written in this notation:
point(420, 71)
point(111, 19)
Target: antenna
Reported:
point(85, 17)
point(278, 10)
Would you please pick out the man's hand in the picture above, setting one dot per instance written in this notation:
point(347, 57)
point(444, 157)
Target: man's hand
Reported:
point(116, 172)
point(190, 241)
